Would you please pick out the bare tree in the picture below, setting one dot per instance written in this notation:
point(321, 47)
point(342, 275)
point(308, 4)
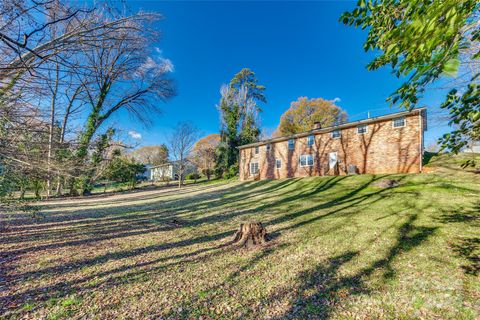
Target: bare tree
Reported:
point(204, 153)
point(153, 155)
point(123, 76)
point(61, 66)
point(181, 143)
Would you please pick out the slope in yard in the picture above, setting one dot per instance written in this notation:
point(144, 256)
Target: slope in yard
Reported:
point(342, 247)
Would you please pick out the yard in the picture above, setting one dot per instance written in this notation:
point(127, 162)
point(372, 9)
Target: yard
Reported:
point(342, 248)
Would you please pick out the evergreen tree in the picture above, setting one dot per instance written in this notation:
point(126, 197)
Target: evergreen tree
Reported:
point(239, 109)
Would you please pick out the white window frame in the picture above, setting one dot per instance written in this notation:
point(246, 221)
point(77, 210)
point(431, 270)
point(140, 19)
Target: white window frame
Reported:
point(313, 140)
point(293, 145)
point(278, 161)
point(306, 161)
point(339, 134)
point(362, 125)
point(256, 150)
point(268, 147)
point(397, 118)
point(252, 165)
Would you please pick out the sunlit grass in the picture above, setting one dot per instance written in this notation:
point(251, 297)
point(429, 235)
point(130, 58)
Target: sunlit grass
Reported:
point(342, 248)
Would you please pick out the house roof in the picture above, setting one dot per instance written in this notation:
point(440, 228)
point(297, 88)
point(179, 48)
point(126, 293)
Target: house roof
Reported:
point(165, 164)
point(171, 163)
point(331, 128)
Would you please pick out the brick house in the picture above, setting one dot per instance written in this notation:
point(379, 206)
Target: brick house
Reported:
point(387, 144)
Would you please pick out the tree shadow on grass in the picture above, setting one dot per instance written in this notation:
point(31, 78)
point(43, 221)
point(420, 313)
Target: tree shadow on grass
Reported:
point(112, 276)
point(461, 215)
point(132, 225)
point(115, 232)
point(125, 226)
point(469, 250)
point(119, 197)
point(120, 222)
point(321, 290)
point(349, 200)
point(133, 228)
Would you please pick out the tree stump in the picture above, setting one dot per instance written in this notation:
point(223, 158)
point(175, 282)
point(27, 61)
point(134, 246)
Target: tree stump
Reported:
point(250, 235)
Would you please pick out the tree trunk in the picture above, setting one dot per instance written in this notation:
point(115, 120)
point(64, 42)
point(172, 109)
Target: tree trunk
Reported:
point(180, 173)
point(58, 191)
point(22, 193)
point(51, 133)
point(250, 235)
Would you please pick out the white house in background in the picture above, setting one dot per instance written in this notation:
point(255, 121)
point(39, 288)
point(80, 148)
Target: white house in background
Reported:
point(473, 146)
point(169, 171)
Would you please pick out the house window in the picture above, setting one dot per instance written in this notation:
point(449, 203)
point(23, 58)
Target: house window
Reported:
point(278, 163)
point(399, 122)
point(306, 160)
point(310, 140)
point(257, 150)
point(336, 134)
point(254, 168)
point(291, 144)
point(268, 147)
point(362, 129)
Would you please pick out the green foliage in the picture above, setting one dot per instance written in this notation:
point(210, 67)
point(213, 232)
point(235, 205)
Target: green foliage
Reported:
point(422, 41)
point(37, 186)
point(218, 172)
point(246, 79)
point(122, 169)
point(231, 172)
point(193, 176)
point(239, 108)
point(465, 117)
point(100, 146)
point(6, 184)
point(419, 39)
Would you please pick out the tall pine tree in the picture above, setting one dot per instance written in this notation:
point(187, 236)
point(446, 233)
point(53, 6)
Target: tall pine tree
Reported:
point(239, 113)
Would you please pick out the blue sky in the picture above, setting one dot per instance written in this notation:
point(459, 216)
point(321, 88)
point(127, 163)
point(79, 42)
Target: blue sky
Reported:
point(295, 48)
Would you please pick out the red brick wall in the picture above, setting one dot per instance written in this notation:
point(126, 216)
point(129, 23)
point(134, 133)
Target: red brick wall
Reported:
point(383, 149)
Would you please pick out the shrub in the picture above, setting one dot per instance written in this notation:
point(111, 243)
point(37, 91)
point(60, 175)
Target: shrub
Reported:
point(218, 171)
point(122, 169)
point(193, 176)
point(232, 171)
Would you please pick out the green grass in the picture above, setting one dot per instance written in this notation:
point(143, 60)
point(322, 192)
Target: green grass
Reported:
point(342, 248)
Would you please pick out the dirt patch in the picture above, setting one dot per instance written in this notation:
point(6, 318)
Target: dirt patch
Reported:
point(387, 183)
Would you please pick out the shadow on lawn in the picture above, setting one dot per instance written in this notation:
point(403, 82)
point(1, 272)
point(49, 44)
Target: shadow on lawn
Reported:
point(118, 223)
point(469, 250)
point(321, 290)
point(466, 248)
point(115, 227)
point(123, 224)
point(461, 215)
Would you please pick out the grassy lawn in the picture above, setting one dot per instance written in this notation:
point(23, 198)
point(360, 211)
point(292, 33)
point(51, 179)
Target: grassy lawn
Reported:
point(342, 248)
